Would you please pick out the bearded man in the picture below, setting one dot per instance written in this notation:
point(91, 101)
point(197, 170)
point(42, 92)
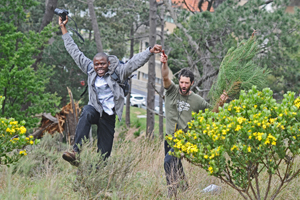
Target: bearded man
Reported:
point(180, 102)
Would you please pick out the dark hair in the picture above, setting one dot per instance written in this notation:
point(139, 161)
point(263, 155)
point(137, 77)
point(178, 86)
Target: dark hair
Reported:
point(186, 73)
point(101, 55)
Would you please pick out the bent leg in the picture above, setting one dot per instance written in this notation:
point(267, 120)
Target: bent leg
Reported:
point(88, 117)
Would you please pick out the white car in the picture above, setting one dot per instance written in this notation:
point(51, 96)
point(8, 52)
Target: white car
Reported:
point(137, 100)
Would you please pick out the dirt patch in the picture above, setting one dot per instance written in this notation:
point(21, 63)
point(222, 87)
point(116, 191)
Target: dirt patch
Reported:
point(137, 112)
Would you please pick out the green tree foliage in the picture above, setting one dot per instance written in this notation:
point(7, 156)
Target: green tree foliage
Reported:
point(22, 87)
point(238, 71)
point(214, 33)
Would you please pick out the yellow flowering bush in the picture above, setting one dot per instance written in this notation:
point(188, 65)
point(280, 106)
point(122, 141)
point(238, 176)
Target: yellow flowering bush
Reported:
point(250, 135)
point(12, 137)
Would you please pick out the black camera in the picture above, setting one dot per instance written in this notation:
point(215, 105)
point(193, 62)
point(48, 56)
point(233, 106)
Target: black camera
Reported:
point(62, 13)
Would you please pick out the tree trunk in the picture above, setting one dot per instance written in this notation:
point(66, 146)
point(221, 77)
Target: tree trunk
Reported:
point(95, 26)
point(151, 70)
point(129, 93)
point(49, 13)
point(47, 18)
point(207, 69)
point(161, 91)
point(217, 3)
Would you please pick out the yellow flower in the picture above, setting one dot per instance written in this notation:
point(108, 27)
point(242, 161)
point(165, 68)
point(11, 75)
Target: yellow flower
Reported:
point(22, 130)
point(31, 142)
point(238, 127)
point(255, 106)
point(210, 169)
point(259, 138)
point(267, 141)
point(8, 130)
point(249, 149)
point(27, 138)
point(250, 137)
point(205, 156)
point(273, 143)
point(23, 152)
point(234, 147)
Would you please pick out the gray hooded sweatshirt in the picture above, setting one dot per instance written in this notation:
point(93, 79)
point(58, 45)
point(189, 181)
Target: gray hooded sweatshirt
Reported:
point(123, 70)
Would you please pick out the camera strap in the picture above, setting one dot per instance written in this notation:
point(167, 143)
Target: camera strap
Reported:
point(76, 29)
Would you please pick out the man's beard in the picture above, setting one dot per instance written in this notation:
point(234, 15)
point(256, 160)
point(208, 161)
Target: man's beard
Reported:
point(186, 92)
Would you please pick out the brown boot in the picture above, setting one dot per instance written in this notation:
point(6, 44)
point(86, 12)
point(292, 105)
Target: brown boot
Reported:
point(71, 157)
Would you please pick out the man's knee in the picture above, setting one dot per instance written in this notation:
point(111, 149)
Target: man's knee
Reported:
point(169, 162)
point(88, 112)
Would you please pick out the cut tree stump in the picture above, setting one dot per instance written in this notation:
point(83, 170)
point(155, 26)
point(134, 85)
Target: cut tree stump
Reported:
point(64, 121)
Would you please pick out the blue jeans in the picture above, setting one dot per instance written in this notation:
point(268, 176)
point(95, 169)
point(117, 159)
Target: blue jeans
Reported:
point(105, 129)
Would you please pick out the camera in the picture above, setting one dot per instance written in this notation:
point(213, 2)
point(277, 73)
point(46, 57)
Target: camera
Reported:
point(62, 13)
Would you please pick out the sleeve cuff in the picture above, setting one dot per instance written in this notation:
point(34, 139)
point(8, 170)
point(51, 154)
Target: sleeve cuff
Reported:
point(149, 50)
point(65, 36)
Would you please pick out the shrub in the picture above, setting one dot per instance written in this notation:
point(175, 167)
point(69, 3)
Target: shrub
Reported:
point(248, 136)
point(12, 137)
point(42, 157)
point(137, 133)
point(97, 178)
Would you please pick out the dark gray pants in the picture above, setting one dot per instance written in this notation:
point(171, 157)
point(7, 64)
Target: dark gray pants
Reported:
point(105, 129)
point(173, 168)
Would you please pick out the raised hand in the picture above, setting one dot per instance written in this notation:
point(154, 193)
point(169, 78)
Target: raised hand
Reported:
point(62, 23)
point(163, 57)
point(156, 49)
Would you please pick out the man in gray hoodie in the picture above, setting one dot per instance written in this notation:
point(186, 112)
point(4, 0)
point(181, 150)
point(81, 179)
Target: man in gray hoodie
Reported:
point(106, 97)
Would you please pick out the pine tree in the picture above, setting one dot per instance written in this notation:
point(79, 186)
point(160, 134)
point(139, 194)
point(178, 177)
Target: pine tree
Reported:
point(238, 71)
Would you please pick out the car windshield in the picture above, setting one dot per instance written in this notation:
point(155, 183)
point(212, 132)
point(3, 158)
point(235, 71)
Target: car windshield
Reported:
point(139, 98)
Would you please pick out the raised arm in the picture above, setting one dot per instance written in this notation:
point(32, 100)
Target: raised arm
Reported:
point(137, 61)
point(165, 70)
point(84, 63)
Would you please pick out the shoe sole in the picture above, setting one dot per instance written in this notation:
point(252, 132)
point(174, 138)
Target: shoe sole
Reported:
point(70, 160)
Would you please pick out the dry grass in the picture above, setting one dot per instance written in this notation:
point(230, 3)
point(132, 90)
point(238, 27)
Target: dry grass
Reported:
point(134, 171)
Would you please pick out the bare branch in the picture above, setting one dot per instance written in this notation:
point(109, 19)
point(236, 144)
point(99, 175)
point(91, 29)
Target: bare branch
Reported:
point(200, 81)
point(162, 96)
point(153, 111)
point(193, 44)
point(188, 6)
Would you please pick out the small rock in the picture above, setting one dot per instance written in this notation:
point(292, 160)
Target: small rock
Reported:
point(213, 189)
